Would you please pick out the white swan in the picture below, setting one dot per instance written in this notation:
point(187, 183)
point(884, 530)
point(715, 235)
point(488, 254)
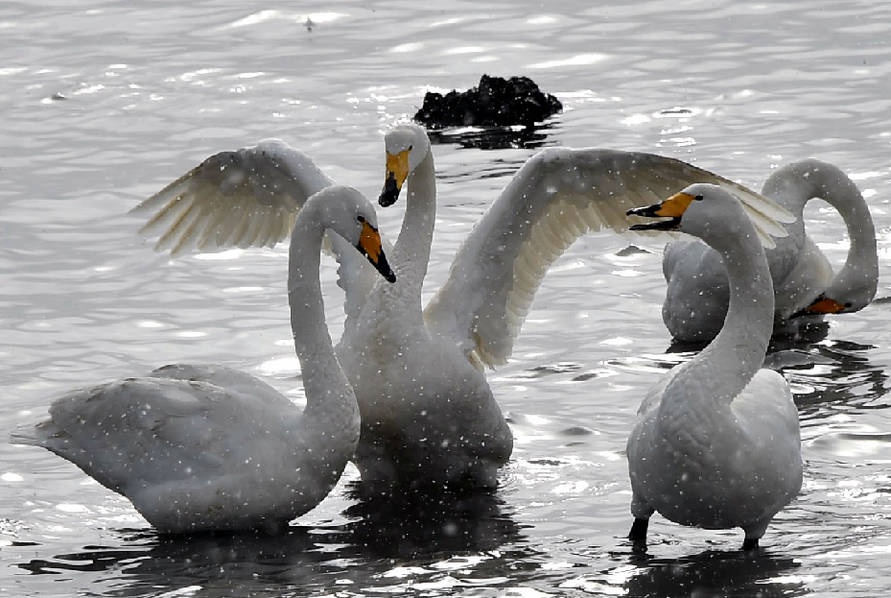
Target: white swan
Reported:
point(717, 444)
point(697, 291)
point(428, 414)
point(211, 448)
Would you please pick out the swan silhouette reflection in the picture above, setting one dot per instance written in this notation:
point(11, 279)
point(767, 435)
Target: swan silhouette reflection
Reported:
point(715, 573)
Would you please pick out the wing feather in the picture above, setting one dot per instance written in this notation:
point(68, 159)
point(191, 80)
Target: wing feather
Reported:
point(246, 198)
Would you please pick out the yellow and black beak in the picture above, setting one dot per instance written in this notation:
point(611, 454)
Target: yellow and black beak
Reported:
point(370, 246)
point(397, 172)
point(672, 208)
point(823, 305)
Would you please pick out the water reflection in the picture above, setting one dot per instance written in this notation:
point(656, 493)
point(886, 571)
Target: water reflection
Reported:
point(802, 336)
point(430, 539)
point(429, 525)
point(493, 138)
point(823, 373)
point(831, 373)
point(715, 573)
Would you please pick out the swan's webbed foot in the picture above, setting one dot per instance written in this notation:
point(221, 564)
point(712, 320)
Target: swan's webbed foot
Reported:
point(638, 533)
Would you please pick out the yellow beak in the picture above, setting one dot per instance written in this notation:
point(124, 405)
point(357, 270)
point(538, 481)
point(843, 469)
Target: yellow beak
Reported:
point(397, 172)
point(370, 246)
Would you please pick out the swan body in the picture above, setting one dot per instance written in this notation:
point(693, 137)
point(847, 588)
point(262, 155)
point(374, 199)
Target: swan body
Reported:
point(429, 418)
point(804, 282)
point(199, 447)
point(717, 442)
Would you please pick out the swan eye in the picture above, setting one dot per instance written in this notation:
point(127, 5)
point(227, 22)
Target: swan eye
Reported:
point(360, 218)
point(698, 198)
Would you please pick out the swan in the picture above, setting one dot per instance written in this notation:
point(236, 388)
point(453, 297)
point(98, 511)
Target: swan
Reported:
point(429, 418)
point(203, 447)
point(804, 284)
point(717, 442)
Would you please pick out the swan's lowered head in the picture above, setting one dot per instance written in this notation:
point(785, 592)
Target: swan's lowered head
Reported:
point(407, 146)
point(853, 289)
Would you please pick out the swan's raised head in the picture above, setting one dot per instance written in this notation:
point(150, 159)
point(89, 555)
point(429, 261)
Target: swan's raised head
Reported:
point(407, 146)
point(703, 210)
point(348, 213)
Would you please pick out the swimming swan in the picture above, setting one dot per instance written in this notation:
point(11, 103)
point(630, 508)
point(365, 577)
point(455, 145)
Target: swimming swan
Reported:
point(212, 448)
point(428, 415)
point(804, 284)
point(717, 442)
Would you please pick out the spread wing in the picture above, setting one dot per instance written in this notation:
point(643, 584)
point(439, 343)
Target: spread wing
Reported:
point(243, 198)
point(558, 195)
point(247, 198)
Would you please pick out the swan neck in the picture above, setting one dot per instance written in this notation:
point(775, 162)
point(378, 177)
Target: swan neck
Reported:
point(729, 362)
point(795, 185)
point(412, 251)
point(326, 387)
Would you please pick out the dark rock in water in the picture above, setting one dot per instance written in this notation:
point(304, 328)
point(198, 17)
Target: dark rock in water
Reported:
point(496, 102)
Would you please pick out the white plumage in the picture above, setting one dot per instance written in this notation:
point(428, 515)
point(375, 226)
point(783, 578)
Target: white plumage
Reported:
point(804, 283)
point(211, 448)
point(428, 414)
point(717, 444)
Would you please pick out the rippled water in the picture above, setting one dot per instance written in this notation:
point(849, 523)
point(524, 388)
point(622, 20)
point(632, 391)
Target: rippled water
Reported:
point(104, 103)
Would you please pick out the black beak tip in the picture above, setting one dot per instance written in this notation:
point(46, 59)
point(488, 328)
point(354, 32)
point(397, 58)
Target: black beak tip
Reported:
point(383, 266)
point(662, 225)
point(389, 194)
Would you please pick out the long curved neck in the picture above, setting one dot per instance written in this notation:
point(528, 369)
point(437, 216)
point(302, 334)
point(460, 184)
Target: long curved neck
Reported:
point(729, 362)
point(412, 251)
point(795, 185)
point(328, 394)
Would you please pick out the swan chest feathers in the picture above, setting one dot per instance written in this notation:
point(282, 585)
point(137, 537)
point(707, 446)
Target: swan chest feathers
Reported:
point(734, 466)
point(428, 417)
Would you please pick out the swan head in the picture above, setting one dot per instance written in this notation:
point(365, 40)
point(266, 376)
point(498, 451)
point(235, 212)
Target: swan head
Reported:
point(407, 145)
point(345, 211)
point(846, 294)
point(704, 210)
